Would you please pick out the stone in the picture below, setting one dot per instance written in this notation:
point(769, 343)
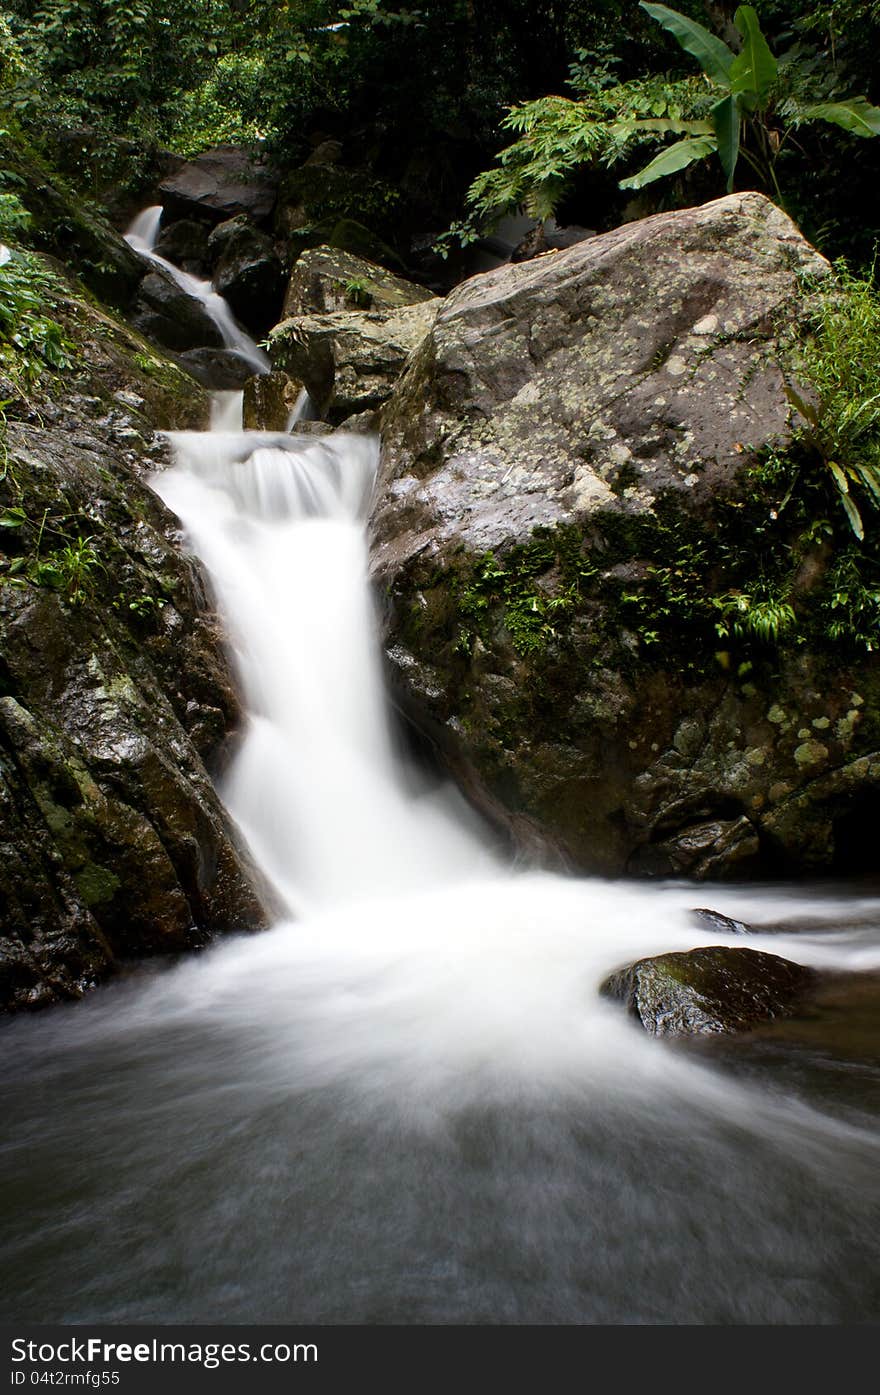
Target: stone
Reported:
point(222, 370)
point(703, 916)
point(709, 990)
point(567, 429)
point(346, 234)
point(326, 279)
point(269, 401)
point(350, 360)
point(185, 244)
point(166, 314)
point(247, 272)
point(220, 184)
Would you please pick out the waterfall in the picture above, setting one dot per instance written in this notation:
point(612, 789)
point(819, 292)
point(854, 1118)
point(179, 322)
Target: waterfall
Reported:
point(406, 1102)
point(477, 971)
point(142, 236)
point(317, 785)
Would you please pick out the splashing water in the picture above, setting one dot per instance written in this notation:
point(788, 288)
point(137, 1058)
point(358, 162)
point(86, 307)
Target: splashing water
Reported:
point(407, 1102)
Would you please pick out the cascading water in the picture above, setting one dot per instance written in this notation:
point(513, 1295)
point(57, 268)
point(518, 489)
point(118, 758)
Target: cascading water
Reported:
point(406, 1102)
point(143, 236)
point(279, 523)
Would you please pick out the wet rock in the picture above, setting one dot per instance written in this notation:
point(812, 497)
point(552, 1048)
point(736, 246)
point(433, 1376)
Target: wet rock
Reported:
point(185, 244)
point(709, 990)
point(115, 692)
point(716, 848)
point(247, 271)
point(218, 369)
point(269, 401)
point(220, 184)
point(717, 921)
point(165, 313)
point(567, 430)
point(350, 360)
point(326, 279)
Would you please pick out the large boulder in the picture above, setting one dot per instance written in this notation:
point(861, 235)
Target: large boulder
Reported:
point(326, 279)
point(566, 505)
point(220, 184)
point(709, 990)
point(350, 360)
point(247, 272)
point(345, 234)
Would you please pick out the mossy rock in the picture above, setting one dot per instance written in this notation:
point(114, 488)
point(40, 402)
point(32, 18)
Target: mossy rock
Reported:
point(571, 491)
point(709, 990)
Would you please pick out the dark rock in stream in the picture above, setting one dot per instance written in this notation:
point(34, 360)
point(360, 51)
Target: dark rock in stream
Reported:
point(268, 401)
point(709, 990)
point(247, 272)
point(185, 243)
point(165, 313)
point(218, 369)
point(717, 921)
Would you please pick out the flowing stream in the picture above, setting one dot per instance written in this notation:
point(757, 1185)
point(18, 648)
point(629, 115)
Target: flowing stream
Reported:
point(406, 1102)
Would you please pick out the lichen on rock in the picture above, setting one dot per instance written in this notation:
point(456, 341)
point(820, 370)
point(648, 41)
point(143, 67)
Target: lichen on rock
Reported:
point(570, 495)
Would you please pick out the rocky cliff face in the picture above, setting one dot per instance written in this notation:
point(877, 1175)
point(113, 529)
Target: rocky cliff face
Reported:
point(571, 491)
point(115, 693)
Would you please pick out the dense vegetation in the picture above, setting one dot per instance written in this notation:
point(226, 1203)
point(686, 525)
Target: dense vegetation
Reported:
point(437, 86)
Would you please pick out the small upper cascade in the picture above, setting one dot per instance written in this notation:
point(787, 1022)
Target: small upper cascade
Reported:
point(142, 235)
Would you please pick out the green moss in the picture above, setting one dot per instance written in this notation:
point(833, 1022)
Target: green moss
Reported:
point(96, 884)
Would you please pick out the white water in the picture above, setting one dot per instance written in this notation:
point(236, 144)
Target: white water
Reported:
point(142, 236)
point(406, 1102)
point(420, 963)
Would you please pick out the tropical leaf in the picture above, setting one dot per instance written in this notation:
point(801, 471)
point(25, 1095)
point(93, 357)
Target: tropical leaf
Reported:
point(753, 71)
point(726, 122)
point(663, 126)
point(870, 477)
point(855, 115)
point(673, 158)
point(712, 54)
point(855, 518)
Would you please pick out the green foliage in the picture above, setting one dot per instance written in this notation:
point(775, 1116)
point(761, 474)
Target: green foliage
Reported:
point(68, 568)
point(758, 107)
point(840, 404)
point(749, 106)
point(229, 107)
point(530, 591)
point(359, 293)
point(14, 217)
point(30, 338)
point(558, 135)
point(743, 614)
